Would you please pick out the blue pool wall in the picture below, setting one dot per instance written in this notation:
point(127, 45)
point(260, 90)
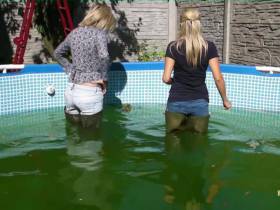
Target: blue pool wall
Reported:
point(135, 83)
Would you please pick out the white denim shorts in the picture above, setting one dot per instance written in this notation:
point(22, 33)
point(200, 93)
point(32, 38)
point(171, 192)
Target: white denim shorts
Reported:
point(84, 100)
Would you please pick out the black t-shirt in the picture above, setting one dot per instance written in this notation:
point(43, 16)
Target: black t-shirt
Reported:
point(189, 82)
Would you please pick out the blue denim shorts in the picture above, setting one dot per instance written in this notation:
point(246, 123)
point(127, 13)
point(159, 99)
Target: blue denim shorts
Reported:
point(197, 107)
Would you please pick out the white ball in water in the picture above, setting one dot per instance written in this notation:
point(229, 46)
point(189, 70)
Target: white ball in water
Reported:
point(50, 90)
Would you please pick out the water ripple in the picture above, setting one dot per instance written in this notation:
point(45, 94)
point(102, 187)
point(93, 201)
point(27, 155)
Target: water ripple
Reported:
point(22, 173)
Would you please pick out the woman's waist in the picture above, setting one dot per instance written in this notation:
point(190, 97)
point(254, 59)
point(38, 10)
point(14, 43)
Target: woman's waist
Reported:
point(87, 78)
point(189, 92)
point(84, 86)
point(88, 72)
point(188, 87)
point(85, 66)
point(175, 97)
point(91, 84)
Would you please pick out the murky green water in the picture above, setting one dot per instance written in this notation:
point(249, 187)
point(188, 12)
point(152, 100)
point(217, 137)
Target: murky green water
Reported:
point(130, 164)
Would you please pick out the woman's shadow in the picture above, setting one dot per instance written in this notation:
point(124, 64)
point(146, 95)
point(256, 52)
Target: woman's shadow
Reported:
point(117, 82)
point(8, 25)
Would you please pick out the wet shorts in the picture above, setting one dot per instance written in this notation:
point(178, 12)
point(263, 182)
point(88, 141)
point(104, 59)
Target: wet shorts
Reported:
point(84, 100)
point(197, 107)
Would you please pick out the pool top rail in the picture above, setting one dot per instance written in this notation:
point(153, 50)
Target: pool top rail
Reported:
point(10, 69)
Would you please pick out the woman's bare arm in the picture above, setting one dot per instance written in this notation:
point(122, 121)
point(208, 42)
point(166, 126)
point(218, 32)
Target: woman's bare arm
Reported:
point(168, 68)
point(219, 81)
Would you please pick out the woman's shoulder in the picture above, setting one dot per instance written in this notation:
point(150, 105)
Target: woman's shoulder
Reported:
point(96, 30)
point(212, 50)
point(76, 31)
point(172, 46)
point(81, 29)
point(211, 44)
point(172, 43)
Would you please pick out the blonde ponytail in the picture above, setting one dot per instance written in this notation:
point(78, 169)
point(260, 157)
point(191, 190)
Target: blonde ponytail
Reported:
point(190, 33)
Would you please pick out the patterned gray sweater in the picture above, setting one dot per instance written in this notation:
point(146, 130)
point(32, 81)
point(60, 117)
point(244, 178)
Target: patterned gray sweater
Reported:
point(89, 52)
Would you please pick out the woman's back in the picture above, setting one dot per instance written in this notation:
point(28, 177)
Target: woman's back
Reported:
point(88, 45)
point(188, 58)
point(90, 58)
point(188, 80)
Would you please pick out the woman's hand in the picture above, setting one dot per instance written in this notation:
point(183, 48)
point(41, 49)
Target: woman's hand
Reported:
point(169, 82)
point(227, 104)
point(103, 85)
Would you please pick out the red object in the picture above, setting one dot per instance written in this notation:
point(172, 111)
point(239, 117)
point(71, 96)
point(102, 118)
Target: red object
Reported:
point(65, 16)
point(21, 41)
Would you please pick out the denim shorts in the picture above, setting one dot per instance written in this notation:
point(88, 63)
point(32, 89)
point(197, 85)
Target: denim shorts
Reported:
point(197, 107)
point(84, 100)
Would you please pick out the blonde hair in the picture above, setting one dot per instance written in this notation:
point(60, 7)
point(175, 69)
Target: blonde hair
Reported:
point(100, 16)
point(190, 33)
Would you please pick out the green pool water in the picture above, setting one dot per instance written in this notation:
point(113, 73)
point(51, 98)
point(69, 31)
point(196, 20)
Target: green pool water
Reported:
point(130, 164)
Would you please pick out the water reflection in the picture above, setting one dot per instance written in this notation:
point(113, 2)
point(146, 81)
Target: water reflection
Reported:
point(104, 178)
point(93, 151)
point(126, 164)
point(83, 142)
point(185, 181)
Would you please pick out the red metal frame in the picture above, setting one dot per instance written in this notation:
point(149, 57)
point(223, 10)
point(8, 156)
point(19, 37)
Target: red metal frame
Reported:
point(65, 16)
point(21, 41)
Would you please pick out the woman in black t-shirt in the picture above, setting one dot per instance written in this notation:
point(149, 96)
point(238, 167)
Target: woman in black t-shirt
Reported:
point(189, 57)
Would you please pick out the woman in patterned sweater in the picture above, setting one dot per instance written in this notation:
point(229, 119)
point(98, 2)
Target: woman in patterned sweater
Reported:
point(87, 72)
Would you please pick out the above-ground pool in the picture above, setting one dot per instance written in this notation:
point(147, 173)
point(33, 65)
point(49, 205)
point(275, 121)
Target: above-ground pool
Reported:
point(130, 163)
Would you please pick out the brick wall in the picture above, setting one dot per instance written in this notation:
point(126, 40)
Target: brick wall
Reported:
point(149, 22)
point(256, 34)
point(140, 23)
point(255, 29)
point(212, 20)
